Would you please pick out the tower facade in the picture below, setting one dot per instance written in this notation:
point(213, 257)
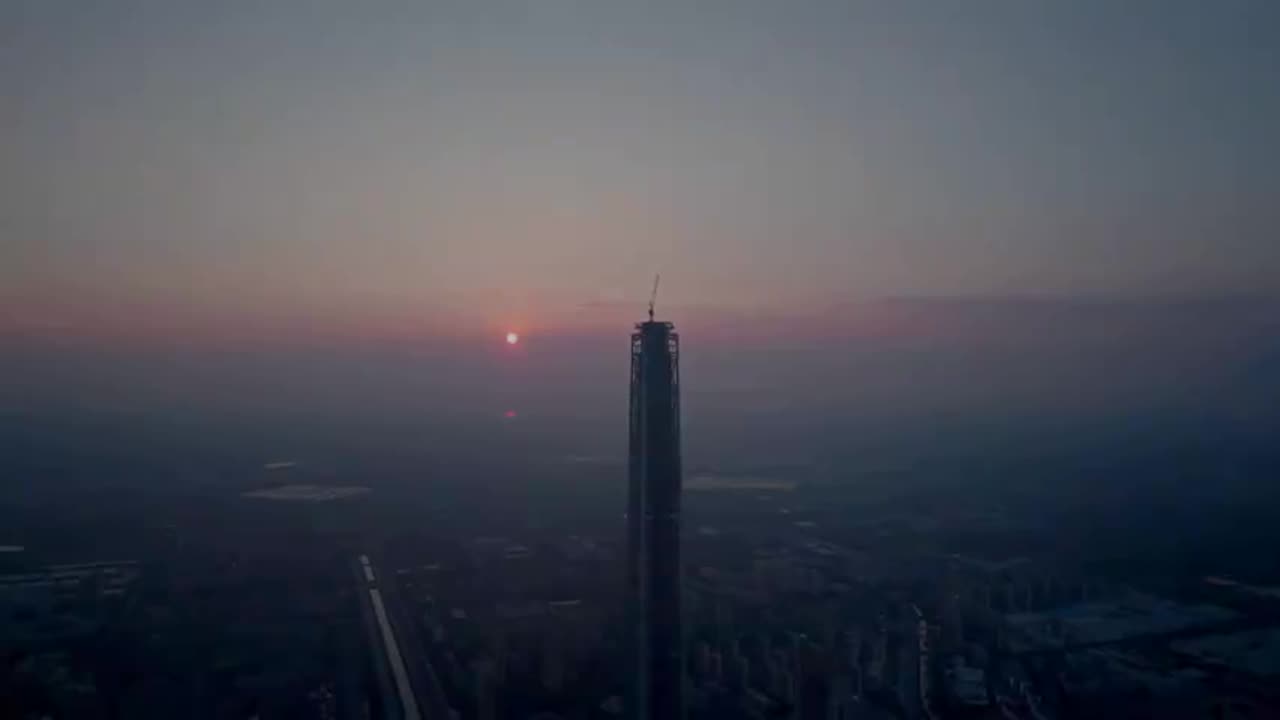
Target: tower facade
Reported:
point(656, 687)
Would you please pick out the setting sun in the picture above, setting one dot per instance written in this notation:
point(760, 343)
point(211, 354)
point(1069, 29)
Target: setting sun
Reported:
point(513, 338)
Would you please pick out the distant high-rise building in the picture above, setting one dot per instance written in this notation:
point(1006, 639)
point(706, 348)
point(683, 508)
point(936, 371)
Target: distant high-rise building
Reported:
point(702, 660)
point(739, 674)
point(486, 688)
point(841, 700)
point(553, 664)
point(653, 526)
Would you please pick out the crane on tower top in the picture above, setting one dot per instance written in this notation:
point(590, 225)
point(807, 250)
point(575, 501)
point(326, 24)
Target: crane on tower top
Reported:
point(653, 296)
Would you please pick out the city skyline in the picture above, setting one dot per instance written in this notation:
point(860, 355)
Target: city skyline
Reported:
point(314, 323)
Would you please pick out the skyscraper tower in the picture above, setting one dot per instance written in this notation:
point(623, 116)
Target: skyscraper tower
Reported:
point(653, 526)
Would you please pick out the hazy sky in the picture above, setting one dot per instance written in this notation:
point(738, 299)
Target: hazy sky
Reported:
point(477, 164)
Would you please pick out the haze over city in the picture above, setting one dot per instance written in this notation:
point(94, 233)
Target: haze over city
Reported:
point(988, 290)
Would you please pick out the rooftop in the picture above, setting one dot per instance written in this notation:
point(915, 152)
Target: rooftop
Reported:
point(1256, 652)
point(307, 493)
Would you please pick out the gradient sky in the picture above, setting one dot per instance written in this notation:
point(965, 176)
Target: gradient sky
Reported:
point(420, 166)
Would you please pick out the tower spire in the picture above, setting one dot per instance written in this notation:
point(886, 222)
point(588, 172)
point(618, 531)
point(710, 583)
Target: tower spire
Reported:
point(653, 296)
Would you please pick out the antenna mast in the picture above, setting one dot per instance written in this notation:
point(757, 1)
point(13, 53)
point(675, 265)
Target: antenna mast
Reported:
point(653, 296)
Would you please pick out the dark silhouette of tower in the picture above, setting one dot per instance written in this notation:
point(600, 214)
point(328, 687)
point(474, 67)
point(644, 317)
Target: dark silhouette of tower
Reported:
point(653, 525)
